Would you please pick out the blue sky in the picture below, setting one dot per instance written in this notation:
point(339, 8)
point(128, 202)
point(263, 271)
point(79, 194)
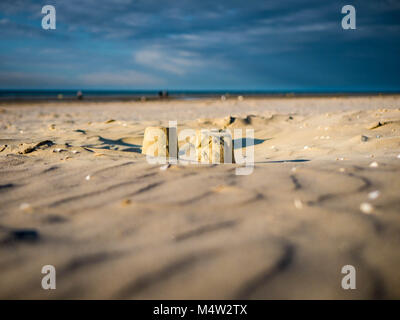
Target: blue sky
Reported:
point(200, 45)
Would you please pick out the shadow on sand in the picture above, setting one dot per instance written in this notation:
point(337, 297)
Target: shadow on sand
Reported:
point(247, 142)
point(282, 161)
point(109, 144)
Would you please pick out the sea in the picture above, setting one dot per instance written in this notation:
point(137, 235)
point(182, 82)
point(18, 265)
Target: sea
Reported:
point(127, 95)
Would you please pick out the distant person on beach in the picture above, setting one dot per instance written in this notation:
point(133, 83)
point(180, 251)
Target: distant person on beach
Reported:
point(79, 95)
point(163, 94)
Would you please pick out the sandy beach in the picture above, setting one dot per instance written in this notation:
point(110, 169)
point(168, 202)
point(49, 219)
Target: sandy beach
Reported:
point(76, 193)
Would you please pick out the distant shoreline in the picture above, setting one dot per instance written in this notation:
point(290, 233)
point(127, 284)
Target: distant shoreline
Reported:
point(104, 96)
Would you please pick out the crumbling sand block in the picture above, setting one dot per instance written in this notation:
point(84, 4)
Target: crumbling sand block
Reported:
point(155, 142)
point(214, 146)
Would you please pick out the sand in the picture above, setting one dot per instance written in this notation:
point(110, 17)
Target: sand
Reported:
point(76, 193)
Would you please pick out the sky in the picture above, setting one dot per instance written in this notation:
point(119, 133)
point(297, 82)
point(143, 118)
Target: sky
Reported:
point(269, 45)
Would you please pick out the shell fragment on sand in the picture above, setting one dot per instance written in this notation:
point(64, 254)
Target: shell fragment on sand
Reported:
point(366, 208)
point(374, 195)
point(298, 204)
point(374, 164)
point(24, 206)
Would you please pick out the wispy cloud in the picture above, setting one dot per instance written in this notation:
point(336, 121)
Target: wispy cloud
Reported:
point(174, 61)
